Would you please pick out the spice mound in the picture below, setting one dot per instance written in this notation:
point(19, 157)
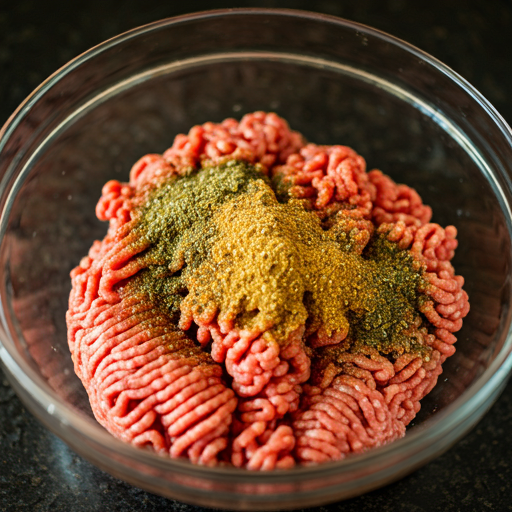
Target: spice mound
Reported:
point(262, 302)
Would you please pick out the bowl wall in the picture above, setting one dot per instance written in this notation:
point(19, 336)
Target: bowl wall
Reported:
point(335, 82)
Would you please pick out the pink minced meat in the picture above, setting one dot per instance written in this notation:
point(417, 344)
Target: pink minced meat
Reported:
point(151, 385)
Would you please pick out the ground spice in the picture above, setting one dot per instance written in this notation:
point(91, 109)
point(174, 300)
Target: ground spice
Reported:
point(390, 322)
point(273, 267)
point(223, 244)
point(175, 223)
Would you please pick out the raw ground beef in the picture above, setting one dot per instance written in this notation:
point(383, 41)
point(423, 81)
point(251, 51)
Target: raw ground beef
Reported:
point(205, 389)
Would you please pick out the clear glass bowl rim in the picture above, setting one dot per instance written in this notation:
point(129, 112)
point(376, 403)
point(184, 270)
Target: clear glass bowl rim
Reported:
point(416, 442)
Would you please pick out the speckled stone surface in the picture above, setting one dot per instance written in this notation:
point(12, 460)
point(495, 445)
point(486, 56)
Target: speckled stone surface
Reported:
point(38, 472)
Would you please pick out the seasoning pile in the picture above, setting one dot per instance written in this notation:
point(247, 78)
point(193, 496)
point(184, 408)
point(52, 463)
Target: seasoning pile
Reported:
point(262, 302)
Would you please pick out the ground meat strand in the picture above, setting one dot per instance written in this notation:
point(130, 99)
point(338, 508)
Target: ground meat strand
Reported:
point(267, 377)
point(327, 175)
point(147, 382)
point(393, 203)
point(258, 137)
point(346, 417)
point(387, 397)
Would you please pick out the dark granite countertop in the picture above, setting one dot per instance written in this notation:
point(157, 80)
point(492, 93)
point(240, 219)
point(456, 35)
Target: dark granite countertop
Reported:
point(37, 470)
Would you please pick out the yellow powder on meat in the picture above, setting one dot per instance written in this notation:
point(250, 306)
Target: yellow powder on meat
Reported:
point(272, 268)
point(222, 243)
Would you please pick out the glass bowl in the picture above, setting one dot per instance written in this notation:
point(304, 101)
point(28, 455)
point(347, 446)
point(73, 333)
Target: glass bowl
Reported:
point(335, 81)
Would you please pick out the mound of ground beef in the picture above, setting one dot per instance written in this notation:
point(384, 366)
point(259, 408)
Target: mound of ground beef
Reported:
point(261, 301)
